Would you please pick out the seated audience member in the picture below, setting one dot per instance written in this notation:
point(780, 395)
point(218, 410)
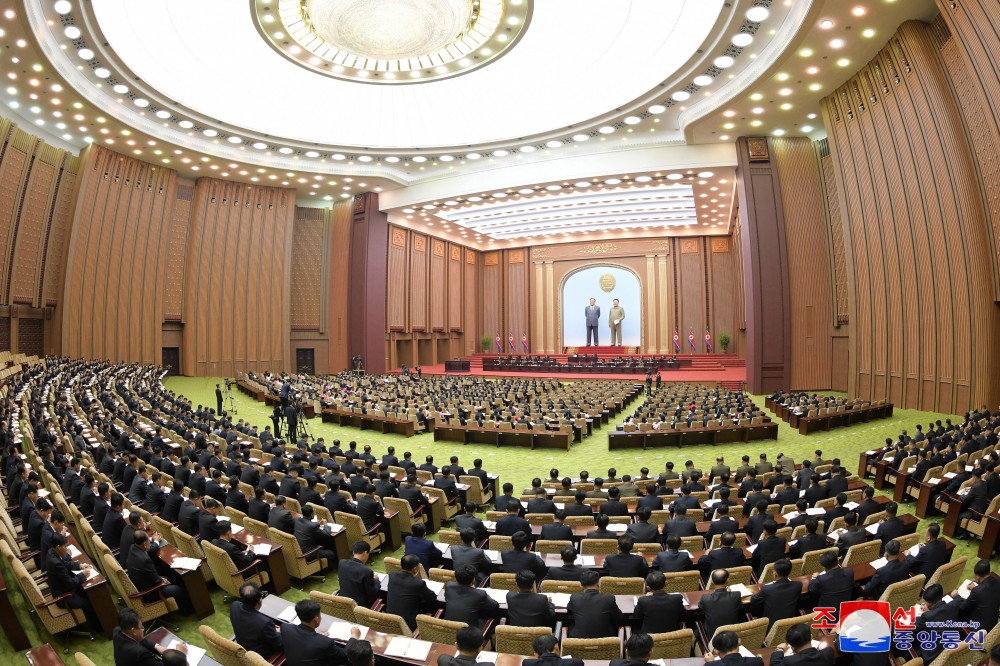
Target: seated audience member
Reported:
point(425, 550)
point(315, 537)
point(557, 530)
point(518, 559)
point(305, 646)
point(894, 571)
point(799, 639)
point(526, 607)
point(721, 606)
point(624, 564)
point(469, 642)
point(254, 630)
point(546, 649)
point(357, 580)
point(512, 522)
point(833, 585)
point(642, 531)
point(579, 506)
point(467, 554)
point(469, 520)
point(983, 602)
point(726, 556)
point(934, 610)
point(770, 548)
point(66, 577)
point(142, 572)
point(932, 554)
point(726, 648)
point(408, 596)
point(779, 599)
point(568, 570)
point(601, 523)
point(592, 614)
point(672, 559)
point(656, 611)
point(132, 649)
point(464, 602)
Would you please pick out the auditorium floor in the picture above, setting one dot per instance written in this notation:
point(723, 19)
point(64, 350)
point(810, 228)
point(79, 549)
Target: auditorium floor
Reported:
point(517, 466)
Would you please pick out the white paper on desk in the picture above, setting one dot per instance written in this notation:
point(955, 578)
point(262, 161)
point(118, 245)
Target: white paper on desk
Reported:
point(742, 589)
point(743, 652)
point(499, 596)
point(751, 548)
point(871, 453)
point(489, 524)
point(872, 529)
point(933, 482)
point(969, 468)
point(947, 599)
point(950, 475)
point(194, 653)
point(560, 599)
point(94, 572)
point(485, 657)
point(911, 470)
point(341, 631)
point(434, 586)
point(408, 648)
point(963, 589)
point(186, 563)
point(286, 615)
point(443, 547)
point(851, 506)
point(617, 527)
point(262, 549)
point(879, 563)
point(494, 555)
point(789, 652)
point(559, 505)
point(965, 490)
point(790, 516)
point(72, 550)
point(709, 503)
point(815, 511)
point(587, 561)
point(236, 528)
point(913, 551)
point(42, 492)
point(835, 535)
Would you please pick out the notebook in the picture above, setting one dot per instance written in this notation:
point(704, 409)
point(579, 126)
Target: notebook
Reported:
point(408, 648)
point(186, 563)
point(262, 549)
point(742, 589)
point(879, 563)
point(341, 631)
point(194, 653)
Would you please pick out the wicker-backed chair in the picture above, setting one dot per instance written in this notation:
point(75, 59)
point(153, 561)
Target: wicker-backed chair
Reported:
point(958, 657)
point(949, 575)
point(672, 645)
point(438, 630)
point(905, 593)
point(598, 546)
point(55, 619)
point(737, 575)
point(543, 546)
point(503, 581)
point(908, 541)
point(223, 650)
point(498, 542)
point(300, 565)
point(580, 521)
point(741, 541)
point(562, 586)
point(228, 576)
point(392, 564)
point(476, 493)
point(190, 546)
point(862, 552)
point(602, 649)
point(256, 528)
point(133, 598)
point(337, 606)
point(778, 630)
point(356, 530)
point(692, 543)
point(682, 581)
point(540, 518)
point(387, 623)
point(253, 659)
point(441, 575)
point(450, 537)
point(810, 562)
point(751, 633)
point(407, 518)
point(517, 640)
point(616, 585)
point(450, 509)
point(83, 660)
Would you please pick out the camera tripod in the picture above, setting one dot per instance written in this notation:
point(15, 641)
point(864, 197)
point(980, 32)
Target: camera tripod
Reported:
point(228, 399)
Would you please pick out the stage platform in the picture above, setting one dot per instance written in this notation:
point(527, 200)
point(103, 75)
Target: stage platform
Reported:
point(728, 370)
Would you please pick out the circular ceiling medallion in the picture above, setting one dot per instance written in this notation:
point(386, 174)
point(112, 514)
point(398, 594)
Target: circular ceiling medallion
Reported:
point(391, 41)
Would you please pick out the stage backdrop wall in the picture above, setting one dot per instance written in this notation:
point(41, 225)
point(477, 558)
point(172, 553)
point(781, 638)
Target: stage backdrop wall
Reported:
point(591, 282)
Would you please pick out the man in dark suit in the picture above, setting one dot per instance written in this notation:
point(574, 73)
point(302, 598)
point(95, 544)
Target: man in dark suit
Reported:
point(505, 498)
point(426, 551)
point(518, 559)
point(187, 517)
point(469, 520)
point(720, 606)
point(722, 524)
point(512, 522)
point(131, 649)
point(837, 511)
point(290, 486)
point(642, 531)
point(983, 602)
point(305, 646)
point(238, 553)
point(410, 491)
point(868, 506)
point(357, 580)
point(754, 525)
point(650, 499)
point(254, 630)
point(656, 611)
point(789, 494)
point(614, 506)
point(891, 526)
point(726, 646)
point(208, 519)
point(672, 560)
point(601, 530)
point(834, 585)
point(624, 564)
point(558, 530)
point(770, 548)
point(854, 534)
point(779, 599)
point(680, 524)
point(725, 556)
point(812, 540)
point(280, 518)
point(446, 483)
point(101, 506)
point(114, 521)
point(568, 570)
point(546, 649)
point(934, 610)
point(799, 638)
point(142, 572)
point(67, 577)
point(312, 535)
point(467, 554)
point(975, 502)
point(257, 508)
point(235, 499)
point(541, 503)
point(527, 608)
point(894, 571)
point(592, 614)
point(931, 555)
point(464, 602)
point(408, 596)
point(172, 503)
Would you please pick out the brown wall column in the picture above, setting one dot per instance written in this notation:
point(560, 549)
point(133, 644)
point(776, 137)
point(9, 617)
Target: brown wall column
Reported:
point(765, 267)
point(367, 282)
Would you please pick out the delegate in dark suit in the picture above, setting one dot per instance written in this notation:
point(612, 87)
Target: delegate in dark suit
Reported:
point(470, 605)
point(721, 607)
point(625, 565)
point(530, 609)
point(942, 612)
point(130, 652)
point(310, 535)
point(808, 657)
point(470, 555)
point(721, 558)
point(658, 613)
point(777, 600)
point(357, 582)
point(552, 659)
point(254, 630)
point(557, 532)
point(305, 647)
point(893, 572)
point(670, 561)
point(832, 587)
point(280, 518)
point(983, 604)
point(408, 596)
point(594, 615)
point(931, 555)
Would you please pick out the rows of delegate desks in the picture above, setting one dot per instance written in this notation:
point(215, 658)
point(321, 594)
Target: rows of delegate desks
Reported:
point(848, 417)
point(270, 399)
point(679, 437)
point(870, 463)
point(582, 364)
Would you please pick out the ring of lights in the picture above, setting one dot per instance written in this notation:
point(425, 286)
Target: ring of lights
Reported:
point(357, 40)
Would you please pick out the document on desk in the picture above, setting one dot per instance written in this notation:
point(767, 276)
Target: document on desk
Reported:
point(262, 549)
point(341, 631)
point(434, 586)
point(408, 648)
point(194, 653)
point(559, 599)
point(742, 589)
point(186, 563)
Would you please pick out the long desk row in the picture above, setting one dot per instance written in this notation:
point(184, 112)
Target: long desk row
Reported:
point(532, 439)
point(383, 424)
point(808, 424)
point(691, 436)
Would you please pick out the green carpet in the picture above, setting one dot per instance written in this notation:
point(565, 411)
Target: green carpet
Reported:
point(517, 466)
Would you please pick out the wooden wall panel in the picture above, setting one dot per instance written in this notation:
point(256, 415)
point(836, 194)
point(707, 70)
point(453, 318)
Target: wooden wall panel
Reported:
point(116, 259)
point(418, 282)
point(437, 283)
point(691, 291)
point(471, 266)
point(29, 337)
point(309, 268)
point(923, 321)
point(517, 297)
point(398, 277)
point(173, 280)
point(16, 164)
point(456, 284)
point(236, 308)
point(808, 263)
point(493, 291)
point(723, 292)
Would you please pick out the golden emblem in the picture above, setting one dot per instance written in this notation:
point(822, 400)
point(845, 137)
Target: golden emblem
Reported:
point(607, 282)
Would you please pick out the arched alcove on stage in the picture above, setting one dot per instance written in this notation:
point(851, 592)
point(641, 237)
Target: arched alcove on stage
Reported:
point(593, 282)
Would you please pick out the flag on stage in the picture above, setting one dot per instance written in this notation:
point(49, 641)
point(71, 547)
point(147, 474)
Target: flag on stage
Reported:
point(524, 341)
point(499, 342)
point(510, 339)
point(677, 341)
point(708, 341)
point(691, 339)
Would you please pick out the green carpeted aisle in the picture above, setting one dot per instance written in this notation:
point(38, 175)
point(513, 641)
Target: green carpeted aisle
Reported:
point(519, 466)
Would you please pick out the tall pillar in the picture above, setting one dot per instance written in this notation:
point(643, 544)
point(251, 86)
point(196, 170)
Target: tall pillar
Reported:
point(765, 267)
point(367, 282)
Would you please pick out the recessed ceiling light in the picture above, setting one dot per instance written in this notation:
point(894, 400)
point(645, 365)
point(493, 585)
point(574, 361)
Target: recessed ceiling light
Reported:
point(475, 199)
point(675, 176)
point(86, 54)
point(837, 43)
point(102, 73)
point(868, 32)
point(365, 158)
point(703, 80)
point(419, 159)
point(312, 153)
point(722, 62)
point(186, 124)
point(554, 143)
point(681, 96)
point(500, 195)
point(285, 150)
point(807, 128)
point(826, 24)
point(812, 70)
point(706, 174)
point(859, 11)
point(757, 109)
point(633, 120)
point(63, 7)
point(814, 86)
point(526, 190)
point(612, 181)
point(785, 92)
point(473, 156)
point(163, 114)
point(260, 146)
point(656, 109)
point(728, 126)
point(742, 39)
point(643, 179)
point(140, 102)
point(527, 149)
point(210, 133)
point(811, 116)
point(553, 188)
point(72, 32)
point(755, 123)
point(843, 62)
point(758, 14)
point(120, 89)
point(607, 129)
point(786, 106)
point(501, 153)
point(779, 132)
point(408, 210)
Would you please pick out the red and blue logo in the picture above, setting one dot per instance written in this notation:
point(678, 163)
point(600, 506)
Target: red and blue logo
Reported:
point(865, 626)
